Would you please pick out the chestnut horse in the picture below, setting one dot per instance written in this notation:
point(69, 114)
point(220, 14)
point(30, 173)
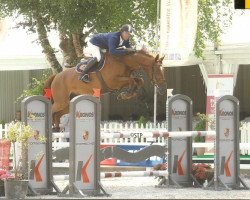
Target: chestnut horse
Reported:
point(116, 74)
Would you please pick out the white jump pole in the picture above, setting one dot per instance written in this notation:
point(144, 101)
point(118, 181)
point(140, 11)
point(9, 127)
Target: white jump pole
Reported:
point(134, 174)
point(120, 174)
point(146, 134)
point(156, 134)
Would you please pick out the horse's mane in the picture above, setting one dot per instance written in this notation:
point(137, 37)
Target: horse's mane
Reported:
point(142, 51)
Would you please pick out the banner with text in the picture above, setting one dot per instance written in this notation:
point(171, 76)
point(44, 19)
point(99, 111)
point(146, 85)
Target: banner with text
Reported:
point(177, 30)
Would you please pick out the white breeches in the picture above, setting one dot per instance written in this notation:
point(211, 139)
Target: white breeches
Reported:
point(95, 51)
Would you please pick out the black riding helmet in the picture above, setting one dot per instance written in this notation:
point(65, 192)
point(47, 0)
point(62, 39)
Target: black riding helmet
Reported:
point(127, 28)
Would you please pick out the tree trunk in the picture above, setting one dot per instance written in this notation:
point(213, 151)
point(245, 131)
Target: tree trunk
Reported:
point(68, 50)
point(77, 45)
point(24, 161)
point(47, 49)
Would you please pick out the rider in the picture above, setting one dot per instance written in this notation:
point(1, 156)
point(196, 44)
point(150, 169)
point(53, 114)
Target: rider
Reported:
point(117, 43)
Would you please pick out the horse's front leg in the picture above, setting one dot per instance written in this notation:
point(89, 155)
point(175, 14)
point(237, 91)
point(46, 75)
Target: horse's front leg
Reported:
point(133, 85)
point(139, 83)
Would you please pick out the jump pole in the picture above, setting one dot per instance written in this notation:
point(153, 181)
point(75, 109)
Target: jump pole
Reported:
point(120, 174)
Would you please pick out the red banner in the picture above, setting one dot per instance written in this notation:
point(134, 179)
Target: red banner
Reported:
point(5, 154)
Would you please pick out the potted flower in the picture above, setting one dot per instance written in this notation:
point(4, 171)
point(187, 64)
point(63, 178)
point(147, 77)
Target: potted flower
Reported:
point(4, 174)
point(202, 120)
point(18, 133)
point(202, 172)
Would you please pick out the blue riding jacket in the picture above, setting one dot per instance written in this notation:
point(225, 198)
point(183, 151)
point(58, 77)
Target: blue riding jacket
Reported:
point(110, 41)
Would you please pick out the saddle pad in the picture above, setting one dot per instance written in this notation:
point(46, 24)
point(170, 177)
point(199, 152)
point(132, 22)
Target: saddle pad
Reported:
point(83, 63)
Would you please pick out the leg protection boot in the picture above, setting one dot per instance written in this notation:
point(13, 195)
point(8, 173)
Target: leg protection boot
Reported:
point(84, 75)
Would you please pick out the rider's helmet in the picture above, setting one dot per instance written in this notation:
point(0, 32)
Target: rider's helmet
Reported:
point(127, 28)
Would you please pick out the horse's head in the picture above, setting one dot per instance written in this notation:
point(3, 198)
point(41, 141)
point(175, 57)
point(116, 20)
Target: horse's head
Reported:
point(156, 75)
point(152, 66)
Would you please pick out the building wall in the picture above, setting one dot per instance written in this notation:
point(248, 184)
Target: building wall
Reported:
point(188, 80)
point(242, 90)
point(12, 85)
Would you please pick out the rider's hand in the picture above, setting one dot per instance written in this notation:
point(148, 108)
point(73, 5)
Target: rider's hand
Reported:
point(130, 50)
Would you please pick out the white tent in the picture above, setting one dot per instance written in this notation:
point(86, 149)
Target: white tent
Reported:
point(20, 50)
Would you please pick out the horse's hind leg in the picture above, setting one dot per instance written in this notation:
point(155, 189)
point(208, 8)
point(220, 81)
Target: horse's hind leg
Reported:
point(56, 115)
point(56, 121)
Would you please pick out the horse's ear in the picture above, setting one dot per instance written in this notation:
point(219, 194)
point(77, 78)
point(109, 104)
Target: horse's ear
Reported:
point(161, 59)
point(157, 58)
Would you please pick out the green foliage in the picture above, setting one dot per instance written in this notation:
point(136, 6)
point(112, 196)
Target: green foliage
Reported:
point(142, 121)
point(200, 126)
point(87, 17)
point(20, 133)
point(78, 16)
point(213, 17)
point(34, 88)
point(2, 122)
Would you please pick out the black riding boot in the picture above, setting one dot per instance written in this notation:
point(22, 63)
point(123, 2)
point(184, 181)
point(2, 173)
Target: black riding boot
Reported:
point(84, 75)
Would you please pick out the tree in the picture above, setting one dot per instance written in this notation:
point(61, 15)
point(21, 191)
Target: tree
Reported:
point(75, 20)
point(213, 17)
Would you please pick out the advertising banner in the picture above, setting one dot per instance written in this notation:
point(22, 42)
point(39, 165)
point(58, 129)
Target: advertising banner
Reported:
point(178, 30)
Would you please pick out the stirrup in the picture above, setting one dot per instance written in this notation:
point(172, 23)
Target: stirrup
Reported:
point(85, 78)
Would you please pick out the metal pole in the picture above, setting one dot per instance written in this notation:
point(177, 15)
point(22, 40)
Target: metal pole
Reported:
point(157, 48)
point(155, 105)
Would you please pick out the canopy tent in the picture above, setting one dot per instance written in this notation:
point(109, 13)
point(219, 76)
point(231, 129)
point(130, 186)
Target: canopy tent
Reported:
point(20, 50)
point(23, 63)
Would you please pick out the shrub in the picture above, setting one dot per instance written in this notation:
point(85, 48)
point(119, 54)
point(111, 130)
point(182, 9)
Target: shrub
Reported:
point(35, 87)
point(202, 172)
point(200, 126)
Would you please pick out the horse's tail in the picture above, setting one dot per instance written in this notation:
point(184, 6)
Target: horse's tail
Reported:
point(48, 82)
point(47, 85)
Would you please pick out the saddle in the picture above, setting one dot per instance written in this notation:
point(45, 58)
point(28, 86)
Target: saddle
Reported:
point(95, 69)
point(83, 63)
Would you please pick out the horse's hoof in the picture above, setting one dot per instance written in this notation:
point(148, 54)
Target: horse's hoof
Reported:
point(119, 98)
point(126, 95)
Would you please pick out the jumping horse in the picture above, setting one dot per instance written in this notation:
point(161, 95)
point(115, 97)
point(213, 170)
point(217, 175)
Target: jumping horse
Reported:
point(115, 75)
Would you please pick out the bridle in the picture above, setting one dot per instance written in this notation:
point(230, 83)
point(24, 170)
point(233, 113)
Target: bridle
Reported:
point(153, 77)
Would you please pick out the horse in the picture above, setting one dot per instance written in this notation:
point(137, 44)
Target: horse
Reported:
point(114, 75)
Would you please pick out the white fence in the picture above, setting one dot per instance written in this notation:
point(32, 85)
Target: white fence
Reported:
point(60, 141)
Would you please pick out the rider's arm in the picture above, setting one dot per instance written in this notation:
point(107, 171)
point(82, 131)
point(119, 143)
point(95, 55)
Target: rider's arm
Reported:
point(127, 44)
point(113, 48)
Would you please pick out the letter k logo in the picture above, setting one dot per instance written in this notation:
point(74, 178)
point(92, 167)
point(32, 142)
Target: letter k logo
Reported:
point(227, 170)
point(35, 169)
point(82, 171)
